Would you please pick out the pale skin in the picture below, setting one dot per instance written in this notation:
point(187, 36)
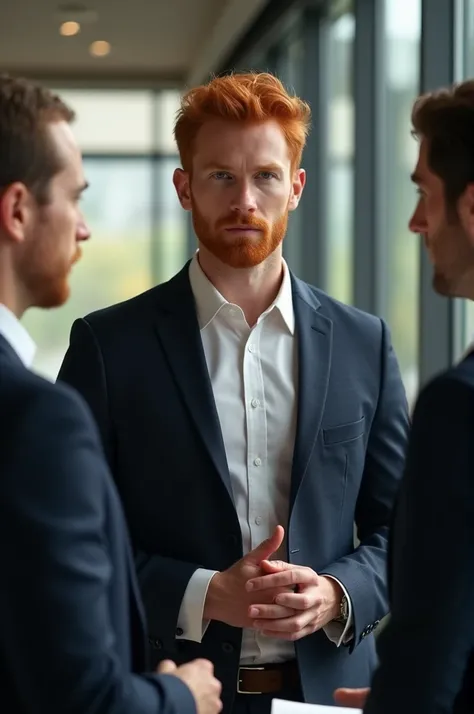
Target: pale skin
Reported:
point(448, 240)
point(58, 227)
point(45, 239)
point(450, 246)
point(230, 175)
point(199, 677)
point(246, 170)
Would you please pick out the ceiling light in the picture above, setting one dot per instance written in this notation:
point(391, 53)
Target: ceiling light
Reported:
point(69, 29)
point(100, 48)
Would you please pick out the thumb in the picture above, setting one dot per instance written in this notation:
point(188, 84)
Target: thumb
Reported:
point(267, 548)
point(166, 667)
point(352, 698)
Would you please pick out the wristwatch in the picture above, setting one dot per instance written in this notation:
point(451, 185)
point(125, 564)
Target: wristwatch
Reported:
point(343, 611)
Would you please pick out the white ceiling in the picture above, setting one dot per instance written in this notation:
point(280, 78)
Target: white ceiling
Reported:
point(158, 42)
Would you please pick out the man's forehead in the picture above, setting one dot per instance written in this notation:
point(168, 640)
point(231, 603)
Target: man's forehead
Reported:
point(218, 136)
point(421, 169)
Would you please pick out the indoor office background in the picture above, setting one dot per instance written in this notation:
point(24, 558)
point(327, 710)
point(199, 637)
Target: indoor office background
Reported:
point(360, 64)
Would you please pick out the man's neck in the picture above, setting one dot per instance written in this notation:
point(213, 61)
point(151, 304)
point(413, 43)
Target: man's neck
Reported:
point(253, 289)
point(10, 295)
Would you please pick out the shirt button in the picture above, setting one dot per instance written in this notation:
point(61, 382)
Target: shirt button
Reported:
point(251, 348)
point(258, 520)
point(255, 403)
point(257, 461)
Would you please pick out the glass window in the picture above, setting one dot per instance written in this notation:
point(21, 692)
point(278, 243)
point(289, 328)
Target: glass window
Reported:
point(169, 224)
point(468, 324)
point(167, 106)
point(401, 249)
point(115, 264)
point(340, 153)
point(289, 69)
point(112, 121)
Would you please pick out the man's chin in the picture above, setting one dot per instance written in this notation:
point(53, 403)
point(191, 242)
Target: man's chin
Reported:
point(239, 259)
point(54, 296)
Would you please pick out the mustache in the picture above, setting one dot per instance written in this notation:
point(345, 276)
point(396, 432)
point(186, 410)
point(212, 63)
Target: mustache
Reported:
point(251, 221)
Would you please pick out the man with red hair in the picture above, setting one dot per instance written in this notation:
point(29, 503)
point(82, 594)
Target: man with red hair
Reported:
point(249, 420)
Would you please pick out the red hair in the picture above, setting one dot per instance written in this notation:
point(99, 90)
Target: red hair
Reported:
point(246, 98)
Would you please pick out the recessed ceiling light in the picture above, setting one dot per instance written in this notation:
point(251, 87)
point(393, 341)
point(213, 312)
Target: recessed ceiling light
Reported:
point(69, 29)
point(100, 48)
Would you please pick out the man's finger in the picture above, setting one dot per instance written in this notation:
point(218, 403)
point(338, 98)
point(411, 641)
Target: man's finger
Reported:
point(274, 566)
point(352, 698)
point(299, 601)
point(166, 667)
point(288, 636)
point(295, 576)
point(296, 623)
point(269, 612)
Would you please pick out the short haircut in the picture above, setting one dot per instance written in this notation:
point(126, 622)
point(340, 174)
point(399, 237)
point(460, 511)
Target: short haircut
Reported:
point(251, 98)
point(26, 151)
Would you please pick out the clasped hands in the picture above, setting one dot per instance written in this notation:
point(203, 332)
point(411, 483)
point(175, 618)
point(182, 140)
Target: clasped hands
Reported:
point(273, 597)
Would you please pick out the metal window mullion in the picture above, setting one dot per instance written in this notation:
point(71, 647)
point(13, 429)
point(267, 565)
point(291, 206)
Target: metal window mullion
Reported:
point(370, 266)
point(314, 233)
point(437, 314)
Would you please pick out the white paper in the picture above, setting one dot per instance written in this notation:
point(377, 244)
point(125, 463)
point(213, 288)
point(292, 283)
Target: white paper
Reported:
point(280, 706)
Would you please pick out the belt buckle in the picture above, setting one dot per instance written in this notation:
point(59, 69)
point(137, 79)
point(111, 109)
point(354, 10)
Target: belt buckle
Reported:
point(242, 691)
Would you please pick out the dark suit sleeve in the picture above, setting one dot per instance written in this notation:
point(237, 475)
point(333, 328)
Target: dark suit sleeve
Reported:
point(426, 646)
point(363, 573)
point(83, 368)
point(57, 641)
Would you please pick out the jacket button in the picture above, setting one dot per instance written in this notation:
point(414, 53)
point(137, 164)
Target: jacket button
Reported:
point(156, 644)
point(179, 631)
point(227, 647)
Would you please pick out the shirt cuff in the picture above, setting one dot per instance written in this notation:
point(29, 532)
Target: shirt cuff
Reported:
point(191, 625)
point(338, 632)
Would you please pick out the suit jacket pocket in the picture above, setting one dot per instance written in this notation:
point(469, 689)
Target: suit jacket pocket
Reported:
point(344, 432)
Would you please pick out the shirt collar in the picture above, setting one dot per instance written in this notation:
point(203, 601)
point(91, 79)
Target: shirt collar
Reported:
point(17, 337)
point(209, 300)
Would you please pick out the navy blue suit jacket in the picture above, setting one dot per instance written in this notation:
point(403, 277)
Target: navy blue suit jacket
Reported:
point(141, 367)
point(71, 629)
point(427, 649)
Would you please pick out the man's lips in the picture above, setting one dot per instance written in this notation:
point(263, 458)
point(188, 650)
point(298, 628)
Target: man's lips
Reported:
point(243, 228)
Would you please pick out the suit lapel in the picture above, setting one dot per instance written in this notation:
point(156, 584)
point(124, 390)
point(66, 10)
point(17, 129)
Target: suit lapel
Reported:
point(314, 334)
point(178, 333)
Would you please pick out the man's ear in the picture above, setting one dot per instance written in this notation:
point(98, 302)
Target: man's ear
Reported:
point(465, 209)
point(181, 182)
point(299, 180)
point(15, 211)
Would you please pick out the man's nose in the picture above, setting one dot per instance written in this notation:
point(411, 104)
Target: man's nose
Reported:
point(417, 223)
point(244, 200)
point(83, 231)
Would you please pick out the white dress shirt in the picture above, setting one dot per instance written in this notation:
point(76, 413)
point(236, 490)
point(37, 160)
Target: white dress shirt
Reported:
point(253, 372)
point(16, 335)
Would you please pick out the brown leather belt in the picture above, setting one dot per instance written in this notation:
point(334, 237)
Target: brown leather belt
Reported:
point(268, 678)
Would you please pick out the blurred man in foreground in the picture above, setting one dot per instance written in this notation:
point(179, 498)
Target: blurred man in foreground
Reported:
point(71, 626)
point(427, 650)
